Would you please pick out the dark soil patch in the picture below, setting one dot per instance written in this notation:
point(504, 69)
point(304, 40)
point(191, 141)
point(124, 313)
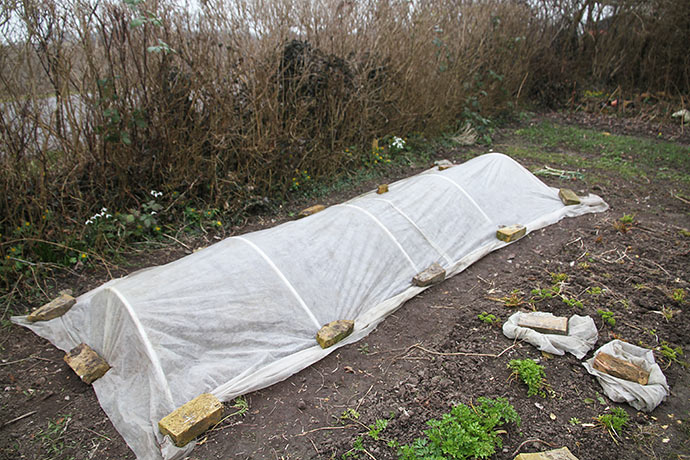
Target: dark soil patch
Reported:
point(400, 372)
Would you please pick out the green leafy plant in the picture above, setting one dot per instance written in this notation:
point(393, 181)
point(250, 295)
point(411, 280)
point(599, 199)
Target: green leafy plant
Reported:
point(624, 223)
point(488, 318)
point(376, 428)
point(349, 414)
point(678, 295)
point(671, 354)
point(614, 421)
point(531, 374)
point(574, 421)
point(572, 302)
point(607, 317)
point(466, 432)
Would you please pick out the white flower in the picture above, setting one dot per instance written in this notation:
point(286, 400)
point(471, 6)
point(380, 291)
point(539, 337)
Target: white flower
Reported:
point(153, 213)
point(108, 216)
point(104, 209)
point(398, 143)
point(87, 222)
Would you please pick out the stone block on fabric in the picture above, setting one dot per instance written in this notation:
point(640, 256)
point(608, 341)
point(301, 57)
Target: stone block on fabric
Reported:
point(86, 363)
point(432, 275)
point(56, 307)
point(568, 197)
point(191, 419)
point(334, 332)
point(311, 210)
point(557, 454)
point(511, 233)
point(545, 324)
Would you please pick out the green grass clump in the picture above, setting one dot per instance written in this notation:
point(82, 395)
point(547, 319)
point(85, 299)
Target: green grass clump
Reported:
point(466, 432)
point(531, 374)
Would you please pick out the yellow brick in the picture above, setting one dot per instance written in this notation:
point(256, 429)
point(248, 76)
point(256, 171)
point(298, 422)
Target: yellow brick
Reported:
point(191, 419)
point(557, 454)
point(568, 197)
point(334, 332)
point(432, 275)
point(545, 324)
point(311, 210)
point(511, 233)
point(382, 189)
point(57, 307)
point(86, 363)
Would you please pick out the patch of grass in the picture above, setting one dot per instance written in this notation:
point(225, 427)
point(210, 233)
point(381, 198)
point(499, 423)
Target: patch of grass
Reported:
point(466, 432)
point(626, 155)
point(531, 374)
point(53, 438)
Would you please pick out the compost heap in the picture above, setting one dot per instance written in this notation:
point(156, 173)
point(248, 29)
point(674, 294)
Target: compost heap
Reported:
point(243, 313)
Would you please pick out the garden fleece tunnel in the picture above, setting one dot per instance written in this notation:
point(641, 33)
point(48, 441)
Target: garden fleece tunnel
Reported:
point(242, 314)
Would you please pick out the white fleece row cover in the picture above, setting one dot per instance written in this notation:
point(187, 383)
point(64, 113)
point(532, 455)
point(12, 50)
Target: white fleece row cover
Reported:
point(242, 314)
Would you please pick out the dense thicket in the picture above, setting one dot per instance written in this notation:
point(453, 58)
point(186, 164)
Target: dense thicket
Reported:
point(103, 101)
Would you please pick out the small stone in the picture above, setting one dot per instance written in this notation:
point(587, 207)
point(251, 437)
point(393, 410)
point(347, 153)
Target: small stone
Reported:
point(545, 324)
point(383, 188)
point(86, 363)
point(568, 197)
point(301, 405)
point(311, 210)
point(334, 332)
point(191, 419)
point(511, 233)
point(56, 307)
point(557, 454)
point(443, 167)
point(432, 275)
point(608, 364)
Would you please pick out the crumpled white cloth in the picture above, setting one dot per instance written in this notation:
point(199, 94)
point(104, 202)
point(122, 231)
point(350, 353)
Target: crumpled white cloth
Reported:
point(642, 397)
point(582, 335)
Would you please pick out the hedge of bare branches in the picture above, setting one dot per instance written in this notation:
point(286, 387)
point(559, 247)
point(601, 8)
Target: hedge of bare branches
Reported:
point(104, 100)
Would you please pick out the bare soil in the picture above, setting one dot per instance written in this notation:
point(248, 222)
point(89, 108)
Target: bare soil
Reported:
point(409, 369)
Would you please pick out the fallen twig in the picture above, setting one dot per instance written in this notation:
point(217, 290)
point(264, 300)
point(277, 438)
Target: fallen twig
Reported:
point(16, 419)
point(529, 441)
point(326, 428)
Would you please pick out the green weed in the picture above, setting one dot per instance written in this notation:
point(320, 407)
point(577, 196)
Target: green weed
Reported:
point(465, 433)
point(614, 421)
point(574, 421)
point(672, 354)
point(531, 374)
point(53, 437)
point(678, 295)
point(607, 317)
point(488, 318)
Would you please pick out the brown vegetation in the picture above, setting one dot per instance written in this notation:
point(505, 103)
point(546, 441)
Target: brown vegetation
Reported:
point(104, 101)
